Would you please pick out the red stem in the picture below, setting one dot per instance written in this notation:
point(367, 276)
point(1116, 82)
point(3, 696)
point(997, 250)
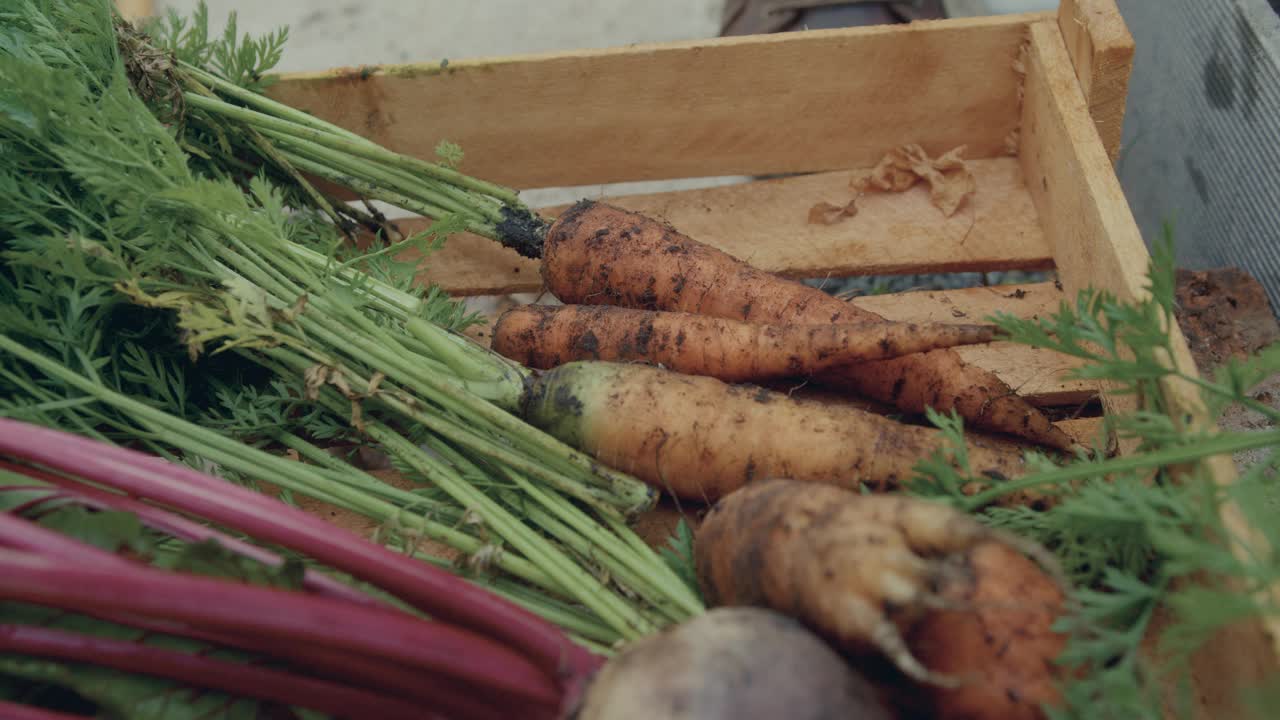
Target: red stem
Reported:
point(434, 591)
point(241, 680)
point(460, 703)
point(455, 701)
point(279, 615)
point(14, 711)
point(371, 672)
point(184, 529)
point(21, 534)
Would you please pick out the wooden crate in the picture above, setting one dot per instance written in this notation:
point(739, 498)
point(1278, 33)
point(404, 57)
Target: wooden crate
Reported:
point(1038, 99)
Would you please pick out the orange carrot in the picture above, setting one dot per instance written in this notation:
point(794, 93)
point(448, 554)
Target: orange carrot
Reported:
point(598, 254)
point(953, 604)
point(700, 438)
point(543, 337)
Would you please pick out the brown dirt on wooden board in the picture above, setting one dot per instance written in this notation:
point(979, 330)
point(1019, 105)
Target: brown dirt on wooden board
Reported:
point(1224, 314)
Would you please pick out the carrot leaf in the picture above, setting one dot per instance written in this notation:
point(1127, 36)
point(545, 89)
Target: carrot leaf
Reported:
point(678, 554)
point(210, 558)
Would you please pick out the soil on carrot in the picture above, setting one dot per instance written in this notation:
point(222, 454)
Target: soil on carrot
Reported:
point(522, 231)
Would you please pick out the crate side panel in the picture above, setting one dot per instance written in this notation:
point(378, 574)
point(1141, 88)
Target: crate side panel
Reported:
point(1097, 243)
point(789, 102)
point(1102, 50)
point(766, 223)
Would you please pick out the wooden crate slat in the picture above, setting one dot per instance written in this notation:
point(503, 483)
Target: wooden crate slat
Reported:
point(1026, 300)
point(1095, 239)
point(789, 102)
point(1102, 49)
point(1034, 373)
point(766, 223)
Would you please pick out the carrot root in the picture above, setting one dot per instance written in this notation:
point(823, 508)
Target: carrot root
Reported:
point(598, 254)
point(543, 337)
point(700, 438)
point(945, 599)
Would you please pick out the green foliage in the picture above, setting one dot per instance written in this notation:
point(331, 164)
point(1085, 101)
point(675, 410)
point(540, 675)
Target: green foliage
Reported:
point(108, 530)
point(241, 59)
point(679, 556)
point(211, 559)
point(450, 154)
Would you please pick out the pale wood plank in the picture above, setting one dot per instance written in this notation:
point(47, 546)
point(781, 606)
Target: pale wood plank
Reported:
point(1094, 237)
point(1037, 374)
point(1101, 48)
point(1026, 300)
point(766, 224)
point(1097, 242)
point(787, 102)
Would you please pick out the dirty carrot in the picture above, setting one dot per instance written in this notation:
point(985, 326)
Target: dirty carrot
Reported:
point(956, 606)
point(544, 336)
point(700, 438)
point(595, 253)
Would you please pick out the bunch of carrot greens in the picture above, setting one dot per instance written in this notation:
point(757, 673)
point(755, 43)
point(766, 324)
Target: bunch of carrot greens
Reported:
point(211, 90)
point(156, 298)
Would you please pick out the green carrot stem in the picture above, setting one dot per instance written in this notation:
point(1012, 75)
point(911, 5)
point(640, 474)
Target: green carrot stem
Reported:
point(1224, 444)
point(565, 616)
point(669, 579)
point(516, 428)
point(273, 155)
point(570, 618)
point(266, 104)
point(585, 588)
point(361, 149)
point(351, 475)
point(450, 429)
point(252, 462)
point(413, 370)
point(458, 360)
point(621, 491)
point(422, 202)
point(388, 298)
point(394, 180)
point(622, 559)
point(618, 570)
point(581, 533)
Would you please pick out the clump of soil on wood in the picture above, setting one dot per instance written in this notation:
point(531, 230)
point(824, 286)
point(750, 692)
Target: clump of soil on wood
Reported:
point(1224, 315)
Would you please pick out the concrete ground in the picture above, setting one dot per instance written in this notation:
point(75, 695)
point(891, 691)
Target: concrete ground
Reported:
point(329, 33)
